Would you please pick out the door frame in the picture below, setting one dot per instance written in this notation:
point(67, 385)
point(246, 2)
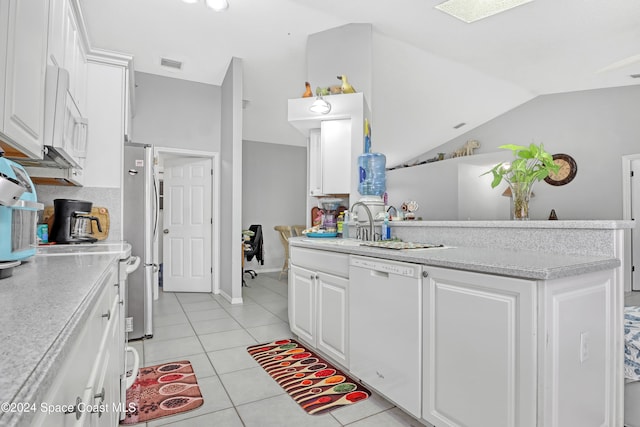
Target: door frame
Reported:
point(161, 152)
point(626, 214)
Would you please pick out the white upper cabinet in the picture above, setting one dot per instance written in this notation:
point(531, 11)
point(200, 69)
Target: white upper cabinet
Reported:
point(25, 47)
point(335, 142)
point(330, 158)
point(66, 49)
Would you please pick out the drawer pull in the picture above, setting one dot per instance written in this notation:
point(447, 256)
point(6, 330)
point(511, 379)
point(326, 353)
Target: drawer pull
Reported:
point(101, 397)
point(107, 314)
point(74, 409)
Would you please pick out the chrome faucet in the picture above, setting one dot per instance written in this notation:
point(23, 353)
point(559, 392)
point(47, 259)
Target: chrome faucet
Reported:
point(370, 236)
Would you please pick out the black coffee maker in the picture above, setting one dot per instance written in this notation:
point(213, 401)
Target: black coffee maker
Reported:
point(72, 222)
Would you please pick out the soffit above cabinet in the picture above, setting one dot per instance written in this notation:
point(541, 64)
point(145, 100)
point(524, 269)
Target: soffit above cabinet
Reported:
point(343, 106)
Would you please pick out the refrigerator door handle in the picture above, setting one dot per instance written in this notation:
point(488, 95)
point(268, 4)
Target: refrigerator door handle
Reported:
point(132, 264)
point(136, 366)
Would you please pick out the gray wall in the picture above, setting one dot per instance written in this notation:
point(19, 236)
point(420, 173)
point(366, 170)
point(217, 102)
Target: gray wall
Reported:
point(274, 181)
point(176, 113)
point(343, 50)
point(595, 127)
point(231, 184)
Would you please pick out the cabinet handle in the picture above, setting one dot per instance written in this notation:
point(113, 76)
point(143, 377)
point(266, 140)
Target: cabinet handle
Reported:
point(107, 314)
point(379, 375)
point(74, 409)
point(101, 397)
point(311, 277)
point(425, 274)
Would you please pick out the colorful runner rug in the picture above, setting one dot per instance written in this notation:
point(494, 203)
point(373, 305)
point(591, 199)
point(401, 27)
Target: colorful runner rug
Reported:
point(316, 385)
point(162, 390)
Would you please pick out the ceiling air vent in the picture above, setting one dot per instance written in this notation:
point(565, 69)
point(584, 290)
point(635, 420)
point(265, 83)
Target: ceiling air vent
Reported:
point(171, 63)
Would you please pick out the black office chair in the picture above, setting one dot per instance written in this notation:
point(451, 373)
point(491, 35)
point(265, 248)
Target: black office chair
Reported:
point(254, 248)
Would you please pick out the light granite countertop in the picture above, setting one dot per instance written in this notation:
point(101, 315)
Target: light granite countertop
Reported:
point(42, 306)
point(521, 264)
point(603, 224)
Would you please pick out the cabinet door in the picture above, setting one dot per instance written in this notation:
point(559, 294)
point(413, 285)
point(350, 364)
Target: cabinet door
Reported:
point(302, 301)
point(57, 32)
point(25, 75)
point(582, 329)
point(479, 350)
point(329, 161)
point(332, 335)
point(105, 394)
point(4, 23)
point(314, 163)
point(335, 136)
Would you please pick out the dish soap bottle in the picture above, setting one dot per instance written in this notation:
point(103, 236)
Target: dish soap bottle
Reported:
point(386, 228)
point(340, 224)
point(345, 224)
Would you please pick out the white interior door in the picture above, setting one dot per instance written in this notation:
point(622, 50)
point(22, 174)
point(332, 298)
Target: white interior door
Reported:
point(187, 225)
point(635, 232)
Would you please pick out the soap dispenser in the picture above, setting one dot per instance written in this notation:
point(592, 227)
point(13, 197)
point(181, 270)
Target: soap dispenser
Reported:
point(386, 228)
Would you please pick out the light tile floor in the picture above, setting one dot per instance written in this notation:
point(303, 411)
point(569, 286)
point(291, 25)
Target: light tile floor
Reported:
point(214, 335)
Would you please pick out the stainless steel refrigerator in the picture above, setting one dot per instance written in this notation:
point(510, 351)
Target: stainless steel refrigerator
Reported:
point(139, 228)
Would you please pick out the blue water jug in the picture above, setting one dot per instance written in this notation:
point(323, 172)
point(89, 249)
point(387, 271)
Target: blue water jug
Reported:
point(372, 174)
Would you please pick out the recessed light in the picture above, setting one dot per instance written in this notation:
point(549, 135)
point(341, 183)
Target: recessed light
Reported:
point(473, 10)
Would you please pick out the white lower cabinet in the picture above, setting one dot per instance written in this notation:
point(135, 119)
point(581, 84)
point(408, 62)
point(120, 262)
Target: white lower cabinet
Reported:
point(319, 314)
point(318, 302)
point(507, 352)
point(87, 386)
point(479, 350)
point(464, 349)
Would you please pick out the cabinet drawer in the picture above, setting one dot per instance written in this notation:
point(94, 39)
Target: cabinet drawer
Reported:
point(330, 262)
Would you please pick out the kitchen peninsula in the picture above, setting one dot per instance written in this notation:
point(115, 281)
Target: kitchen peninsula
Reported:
point(512, 323)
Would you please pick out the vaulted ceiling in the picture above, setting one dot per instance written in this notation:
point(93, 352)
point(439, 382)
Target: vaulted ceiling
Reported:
point(542, 47)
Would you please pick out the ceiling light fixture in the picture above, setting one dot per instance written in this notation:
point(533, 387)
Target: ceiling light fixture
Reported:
point(320, 106)
point(217, 5)
point(473, 10)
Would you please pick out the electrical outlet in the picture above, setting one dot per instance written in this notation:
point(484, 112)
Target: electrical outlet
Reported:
point(128, 324)
point(585, 344)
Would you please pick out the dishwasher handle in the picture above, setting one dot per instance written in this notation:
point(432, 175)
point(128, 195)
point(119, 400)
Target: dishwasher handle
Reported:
point(385, 268)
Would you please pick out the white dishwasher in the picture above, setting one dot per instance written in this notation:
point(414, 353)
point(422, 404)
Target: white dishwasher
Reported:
point(385, 324)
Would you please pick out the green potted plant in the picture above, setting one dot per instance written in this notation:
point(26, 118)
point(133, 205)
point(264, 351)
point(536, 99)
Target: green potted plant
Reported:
point(531, 164)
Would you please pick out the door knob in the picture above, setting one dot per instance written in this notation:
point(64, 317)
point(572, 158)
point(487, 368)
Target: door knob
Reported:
point(165, 231)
